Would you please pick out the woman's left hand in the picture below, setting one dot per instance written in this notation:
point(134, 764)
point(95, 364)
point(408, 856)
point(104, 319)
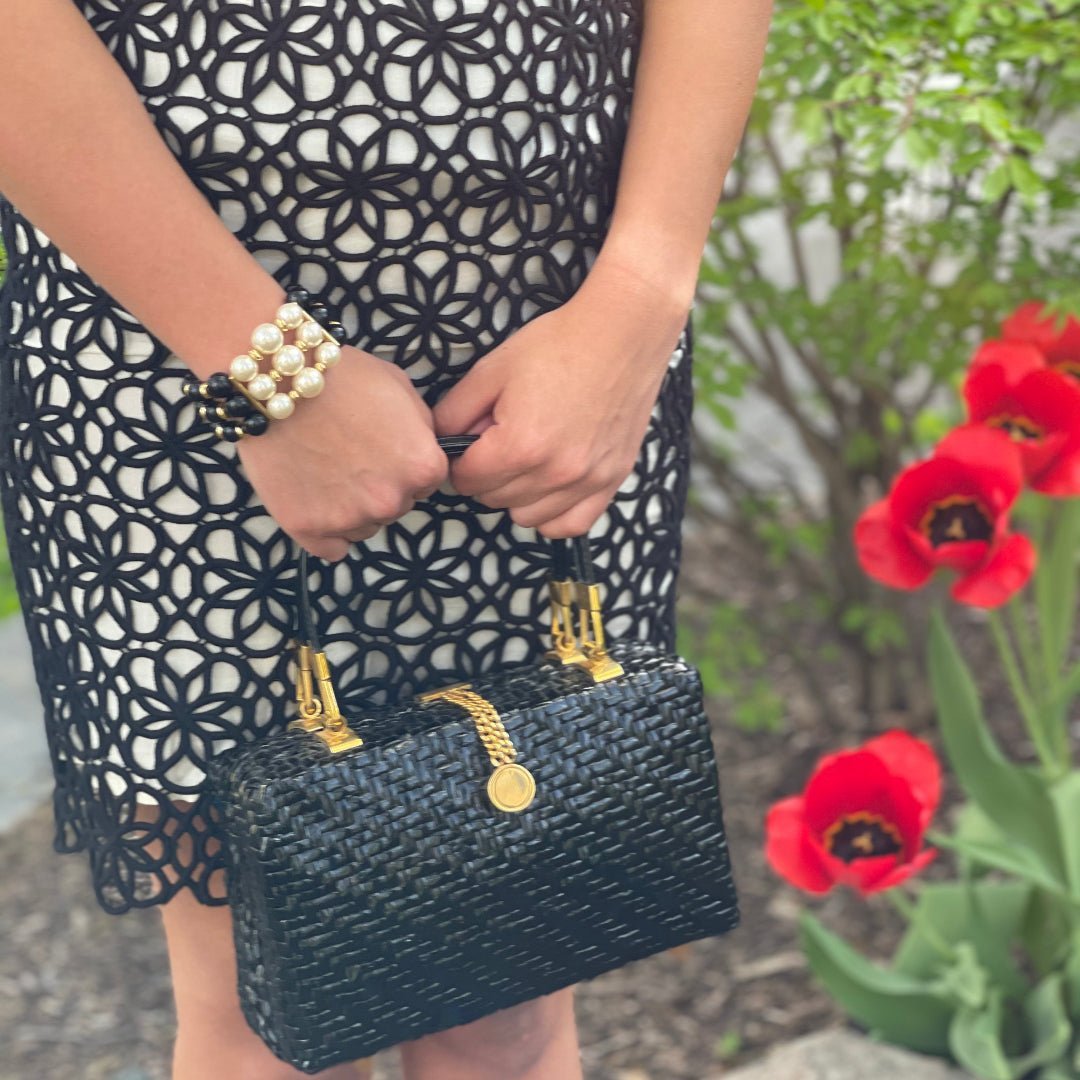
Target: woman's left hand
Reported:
point(564, 403)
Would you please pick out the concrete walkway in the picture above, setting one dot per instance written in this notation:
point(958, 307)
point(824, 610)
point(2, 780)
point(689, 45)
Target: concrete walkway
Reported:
point(844, 1055)
point(25, 771)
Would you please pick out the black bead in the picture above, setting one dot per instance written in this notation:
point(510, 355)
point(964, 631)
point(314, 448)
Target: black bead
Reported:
point(297, 295)
point(337, 331)
point(256, 424)
point(219, 385)
point(237, 406)
point(231, 434)
point(319, 312)
point(191, 390)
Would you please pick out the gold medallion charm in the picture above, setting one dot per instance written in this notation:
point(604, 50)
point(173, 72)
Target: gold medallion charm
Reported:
point(511, 787)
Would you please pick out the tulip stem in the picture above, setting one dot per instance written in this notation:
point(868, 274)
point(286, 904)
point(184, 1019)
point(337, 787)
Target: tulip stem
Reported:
point(1022, 631)
point(1020, 691)
point(914, 918)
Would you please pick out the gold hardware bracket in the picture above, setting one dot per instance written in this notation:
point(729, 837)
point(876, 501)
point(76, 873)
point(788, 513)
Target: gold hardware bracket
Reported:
point(320, 717)
point(565, 649)
point(597, 662)
point(510, 786)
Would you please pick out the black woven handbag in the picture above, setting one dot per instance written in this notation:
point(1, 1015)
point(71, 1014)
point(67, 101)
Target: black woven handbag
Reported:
point(419, 866)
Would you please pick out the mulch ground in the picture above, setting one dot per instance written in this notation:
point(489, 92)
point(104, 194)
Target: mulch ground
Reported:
point(86, 996)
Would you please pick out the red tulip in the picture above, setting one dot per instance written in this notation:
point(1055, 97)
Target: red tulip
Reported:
point(952, 511)
point(861, 818)
point(1038, 407)
point(1018, 357)
point(1059, 343)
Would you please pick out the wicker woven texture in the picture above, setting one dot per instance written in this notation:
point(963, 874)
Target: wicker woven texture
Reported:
point(378, 895)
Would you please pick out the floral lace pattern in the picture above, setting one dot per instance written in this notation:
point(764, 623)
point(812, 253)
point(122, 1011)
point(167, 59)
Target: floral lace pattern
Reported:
point(442, 171)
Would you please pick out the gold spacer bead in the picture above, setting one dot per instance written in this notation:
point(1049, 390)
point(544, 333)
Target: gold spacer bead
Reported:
point(319, 365)
point(294, 394)
point(276, 375)
point(219, 431)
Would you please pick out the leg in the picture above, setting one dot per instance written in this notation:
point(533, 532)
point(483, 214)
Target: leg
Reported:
point(214, 1041)
point(536, 1040)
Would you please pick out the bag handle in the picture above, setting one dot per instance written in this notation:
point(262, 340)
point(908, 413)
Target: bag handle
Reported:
point(571, 581)
point(571, 559)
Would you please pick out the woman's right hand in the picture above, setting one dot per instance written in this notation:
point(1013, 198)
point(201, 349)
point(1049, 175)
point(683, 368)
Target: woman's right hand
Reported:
point(349, 461)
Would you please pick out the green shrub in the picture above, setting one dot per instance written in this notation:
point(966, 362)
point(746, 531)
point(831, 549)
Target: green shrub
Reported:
point(920, 147)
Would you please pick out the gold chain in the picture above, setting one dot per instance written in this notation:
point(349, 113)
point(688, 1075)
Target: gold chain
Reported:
point(489, 725)
point(511, 786)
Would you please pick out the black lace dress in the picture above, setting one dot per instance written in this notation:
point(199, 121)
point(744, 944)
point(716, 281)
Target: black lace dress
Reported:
point(442, 171)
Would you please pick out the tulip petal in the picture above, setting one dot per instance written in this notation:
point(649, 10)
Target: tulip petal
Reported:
point(789, 851)
point(1015, 358)
point(855, 781)
point(1061, 479)
point(859, 874)
point(1031, 323)
point(914, 763)
point(884, 553)
point(901, 873)
point(990, 455)
point(1006, 572)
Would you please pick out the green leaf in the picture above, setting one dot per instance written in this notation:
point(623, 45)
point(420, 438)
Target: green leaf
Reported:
point(975, 1041)
point(996, 182)
point(919, 149)
point(1011, 796)
point(983, 916)
point(1065, 796)
point(1007, 857)
point(1046, 934)
point(1056, 584)
point(966, 979)
point(896, 1007)
point(976, 1036)
point(1048, 1024)
point(1024, 178)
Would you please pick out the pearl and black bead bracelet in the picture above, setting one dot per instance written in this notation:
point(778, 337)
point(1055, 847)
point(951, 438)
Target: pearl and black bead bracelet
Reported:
point(243, 400)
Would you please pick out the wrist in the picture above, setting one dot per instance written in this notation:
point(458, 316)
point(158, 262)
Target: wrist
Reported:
point(633, 296)
point(225, 332)
point(264, 384)
point(666, 273)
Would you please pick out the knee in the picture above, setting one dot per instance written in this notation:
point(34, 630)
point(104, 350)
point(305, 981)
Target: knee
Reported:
point(507, 1045)
point(239, 1055)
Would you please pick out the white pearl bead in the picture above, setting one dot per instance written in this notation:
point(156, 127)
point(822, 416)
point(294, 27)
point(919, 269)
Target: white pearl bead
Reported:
point(328, 353)
point(310, 333)
point(280, 406)
point(289, 360)
point(244, 368)
point(267, 338)
point(309, 382)
point(261, 387)
point(292, 315)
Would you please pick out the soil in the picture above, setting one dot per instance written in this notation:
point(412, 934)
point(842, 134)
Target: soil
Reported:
point(85, 995)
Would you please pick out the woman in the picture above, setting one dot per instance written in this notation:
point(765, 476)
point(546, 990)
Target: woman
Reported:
point(444, 173)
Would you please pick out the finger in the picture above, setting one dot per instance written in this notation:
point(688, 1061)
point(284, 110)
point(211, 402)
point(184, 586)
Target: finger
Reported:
point(578, 520)
point(469, 399)
point(486, 464)
point(527, 488)
point(537, 511)
point(356, 536)
point(330, 548)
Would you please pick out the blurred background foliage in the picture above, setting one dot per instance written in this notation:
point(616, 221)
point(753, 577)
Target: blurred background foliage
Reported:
point(909, 175)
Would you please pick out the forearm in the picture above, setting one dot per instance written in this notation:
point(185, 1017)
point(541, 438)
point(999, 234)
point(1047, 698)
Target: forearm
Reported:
point(697, 71)
point(81, 158)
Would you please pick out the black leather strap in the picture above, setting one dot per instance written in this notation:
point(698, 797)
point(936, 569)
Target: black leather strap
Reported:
point(570, 557)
